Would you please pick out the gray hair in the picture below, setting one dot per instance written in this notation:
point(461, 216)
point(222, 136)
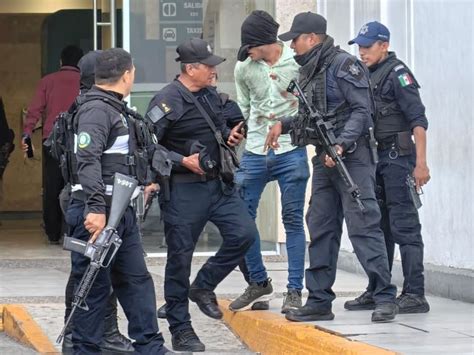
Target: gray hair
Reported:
point(183, 66)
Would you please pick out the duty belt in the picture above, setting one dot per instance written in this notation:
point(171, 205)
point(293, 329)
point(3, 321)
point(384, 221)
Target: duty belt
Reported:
point(190, 177)
point(387, 143)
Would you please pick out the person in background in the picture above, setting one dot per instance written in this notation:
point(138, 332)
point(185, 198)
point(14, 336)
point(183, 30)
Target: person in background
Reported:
point(55, 93)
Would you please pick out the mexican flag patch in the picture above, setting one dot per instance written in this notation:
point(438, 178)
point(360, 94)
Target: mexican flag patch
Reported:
point(405, 79)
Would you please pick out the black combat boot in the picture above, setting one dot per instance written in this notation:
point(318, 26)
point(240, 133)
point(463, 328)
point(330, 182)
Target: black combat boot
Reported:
point(112, 340)
point(412, 303)
point(363, 302)
point(161, 312)
point(384, 312)
point(309, 313)
point(206, 301)
point(186, 340)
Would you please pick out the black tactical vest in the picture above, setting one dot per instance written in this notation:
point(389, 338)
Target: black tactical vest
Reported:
point(141, 143)
point(315, 89)
point(390, 120)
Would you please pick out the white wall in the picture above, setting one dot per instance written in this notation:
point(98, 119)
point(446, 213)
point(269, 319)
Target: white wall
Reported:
point(435, 38)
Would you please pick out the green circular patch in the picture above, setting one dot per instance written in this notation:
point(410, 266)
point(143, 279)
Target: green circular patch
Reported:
point(83, 139)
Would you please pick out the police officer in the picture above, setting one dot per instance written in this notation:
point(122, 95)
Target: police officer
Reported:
point(338, 86)
point(198, 194)
point(105, 142)
point(113, 340)
point(400, 114)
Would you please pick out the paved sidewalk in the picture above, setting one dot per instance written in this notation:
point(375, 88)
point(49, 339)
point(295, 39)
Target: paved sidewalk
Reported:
point(35, 274)
point(448, 328)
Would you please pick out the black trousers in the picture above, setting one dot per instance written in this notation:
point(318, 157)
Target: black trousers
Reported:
point(52, 185)
point(185, 215)
point(400, 221)
point(330, 204)
point(131, 282)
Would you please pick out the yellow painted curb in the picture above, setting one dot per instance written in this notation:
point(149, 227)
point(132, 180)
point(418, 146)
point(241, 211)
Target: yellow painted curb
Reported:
point(271, 334)
point(18, 324)
point(1, 317)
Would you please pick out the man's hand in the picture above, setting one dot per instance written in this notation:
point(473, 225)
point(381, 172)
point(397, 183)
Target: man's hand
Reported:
point(421, 175)
point(94, 223)
point(328, 160)
point(150, 189)
point(236, 135)
point(24, 147)
point(192, 163)
point(272, 137)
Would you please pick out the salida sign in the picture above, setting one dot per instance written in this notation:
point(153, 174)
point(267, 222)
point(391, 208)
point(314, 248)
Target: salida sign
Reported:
point(188, 11)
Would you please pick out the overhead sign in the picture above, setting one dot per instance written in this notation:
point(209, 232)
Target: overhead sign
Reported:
point(180, 20)
point(179, 10)
point(177, 33)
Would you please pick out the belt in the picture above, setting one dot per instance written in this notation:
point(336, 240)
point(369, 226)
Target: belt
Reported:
point(387, 143)
point(190, 178)
point(81, 195)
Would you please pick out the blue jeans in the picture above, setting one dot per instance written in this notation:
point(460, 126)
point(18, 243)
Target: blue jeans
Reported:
point(292, 172)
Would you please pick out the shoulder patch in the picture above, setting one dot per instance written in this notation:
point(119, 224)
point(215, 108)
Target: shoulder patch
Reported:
point(399, 67)
point(83, 140)
point(405, 79)
point(158, 112)
point(350, 66)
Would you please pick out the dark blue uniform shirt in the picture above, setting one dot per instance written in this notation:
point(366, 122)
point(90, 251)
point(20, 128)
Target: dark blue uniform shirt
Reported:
point(177, 121)
point(401, 86)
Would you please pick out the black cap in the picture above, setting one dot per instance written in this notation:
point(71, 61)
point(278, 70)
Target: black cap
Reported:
point(87, 67)
point(87, 63)
point(305, 22)
point(196, 50)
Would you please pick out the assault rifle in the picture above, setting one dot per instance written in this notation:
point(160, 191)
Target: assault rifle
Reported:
point(104, 248)
point(324, 132)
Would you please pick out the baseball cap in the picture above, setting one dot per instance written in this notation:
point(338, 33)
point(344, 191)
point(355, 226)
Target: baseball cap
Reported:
point(87, 67)
point(196, 50)
point(305, 22)
point(370, 33)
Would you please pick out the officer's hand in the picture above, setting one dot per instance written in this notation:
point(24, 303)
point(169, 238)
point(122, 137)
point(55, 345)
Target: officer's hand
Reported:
point(94, 223)
point(236, 135)
point(150, 189)
point(192, 163)
point(328, 161)
point(421, 175)
point(272, 137)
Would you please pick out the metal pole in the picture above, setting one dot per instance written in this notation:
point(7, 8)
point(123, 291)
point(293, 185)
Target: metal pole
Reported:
point(112, 23)
point(95, 23)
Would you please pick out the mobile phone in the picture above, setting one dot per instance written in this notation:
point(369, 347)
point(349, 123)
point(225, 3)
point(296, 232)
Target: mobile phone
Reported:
point(29, 152)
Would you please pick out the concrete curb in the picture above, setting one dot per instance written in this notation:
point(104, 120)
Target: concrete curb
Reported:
point(269, 333)
point(19, 325)
point(1, 317)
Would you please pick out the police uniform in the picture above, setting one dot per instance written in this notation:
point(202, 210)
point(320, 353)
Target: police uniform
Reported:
point(195, 199)
point(398, 111)
point(337, 84)
point(104, 146)
point(112, 340)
